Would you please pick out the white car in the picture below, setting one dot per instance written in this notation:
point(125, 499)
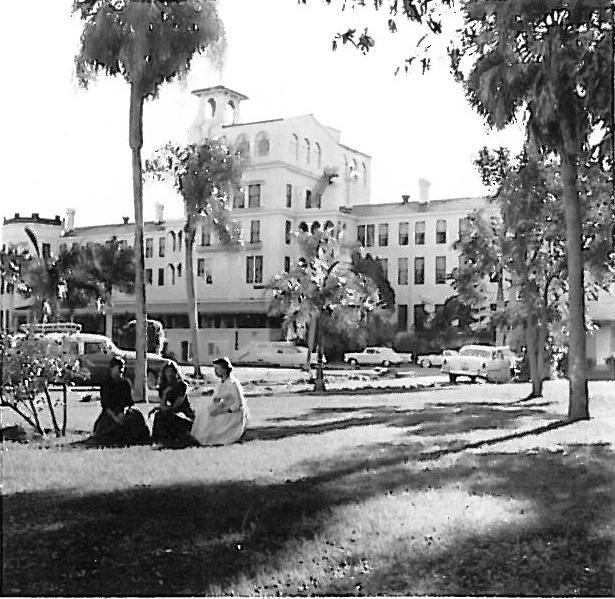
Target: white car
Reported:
point(429, 360)
point(478, 362)
point(376, 356)
point(276, 353)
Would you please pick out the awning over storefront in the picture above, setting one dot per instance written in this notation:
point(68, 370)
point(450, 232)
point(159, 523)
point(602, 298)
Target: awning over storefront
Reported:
point(260, 306)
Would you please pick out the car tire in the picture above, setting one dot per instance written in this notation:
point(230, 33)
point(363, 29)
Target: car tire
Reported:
point(353, 362)
point(386, 363)
point(425, 364)
point(452, 379)
point(473, 379)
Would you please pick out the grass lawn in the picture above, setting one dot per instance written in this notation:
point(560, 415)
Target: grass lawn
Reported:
point(440, 492)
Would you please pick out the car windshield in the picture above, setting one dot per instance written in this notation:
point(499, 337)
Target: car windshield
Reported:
point(476, 352)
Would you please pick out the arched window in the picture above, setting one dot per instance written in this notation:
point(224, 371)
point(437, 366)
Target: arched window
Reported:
point(306, 150)
point(262, 144)
point(242, 145)
point(303, 227)
point(317, 155)
point(294, 147)
point(178, 269)
point(364, 168)
point(354, 169)
point(172, 274)
point(211, 108)
point(315, 227)
point(346, 173)
point(229, 113)
point(173, 240)
point(179, 240)
point(329, 225)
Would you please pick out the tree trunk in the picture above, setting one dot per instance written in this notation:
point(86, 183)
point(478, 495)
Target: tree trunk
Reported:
point(52, 413)
point(532, 356)
point(319, 383)
point(64, 408)
point(311, 340)
point(193, 316)
point(578, 408)
point(136, 142)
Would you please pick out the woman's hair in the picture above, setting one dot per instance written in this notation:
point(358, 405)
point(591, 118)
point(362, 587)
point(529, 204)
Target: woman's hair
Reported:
point(162, 381)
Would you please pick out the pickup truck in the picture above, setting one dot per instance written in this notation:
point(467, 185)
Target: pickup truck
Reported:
point(376, 356)
point(478, 362)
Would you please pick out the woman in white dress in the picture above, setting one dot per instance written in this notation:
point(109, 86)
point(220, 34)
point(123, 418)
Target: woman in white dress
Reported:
point(223, 421)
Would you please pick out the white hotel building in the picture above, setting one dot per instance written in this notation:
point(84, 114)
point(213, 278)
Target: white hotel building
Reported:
point(287, 187)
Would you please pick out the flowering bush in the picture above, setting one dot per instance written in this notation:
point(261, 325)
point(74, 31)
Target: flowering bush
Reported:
point(30, 364)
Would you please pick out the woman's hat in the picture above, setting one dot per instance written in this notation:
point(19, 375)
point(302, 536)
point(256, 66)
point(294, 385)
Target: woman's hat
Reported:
point(224, 361)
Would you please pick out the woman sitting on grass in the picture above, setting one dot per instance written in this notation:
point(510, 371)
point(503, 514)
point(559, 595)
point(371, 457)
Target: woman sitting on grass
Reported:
point(118, 423)
point(174, 417)
point(224, 421)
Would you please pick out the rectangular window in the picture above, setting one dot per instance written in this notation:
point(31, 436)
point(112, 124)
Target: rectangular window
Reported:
point(149, 276)
point(46, 247)
point(254, 269)
point(464, 227)
point(419, 317)
point(205, 235)
point(361, 234)
point(383, 234)
point(149, 247)
point(402, 271)
point(385, 267)
point(255, 231)
point(209, 277)
point(161, 276)
point(419, 232)
point(440, 231)
point(403, 233)
point(440, 270)
point(419, 271)
point(254, 195)
point(239, 198)
point(200, 268)
point(161, 246)
point(370, 233)
point(289, 195)
point(308, 198)
point(402, 317)
point(286, 263)
point(258, 269)
point(287, 232)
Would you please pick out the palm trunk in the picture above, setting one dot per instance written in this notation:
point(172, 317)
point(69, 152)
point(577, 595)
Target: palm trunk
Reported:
point(64, 408)
point(136, 143)
point(109, 320)
point(311, 341)
point(532, 355)
point(578, 408)
point(319, 383)
point(191, 295)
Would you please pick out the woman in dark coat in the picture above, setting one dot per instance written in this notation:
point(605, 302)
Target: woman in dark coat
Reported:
point(119, 423)
point(174, 417)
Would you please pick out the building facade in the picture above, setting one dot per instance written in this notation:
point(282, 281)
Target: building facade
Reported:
point(299, 176)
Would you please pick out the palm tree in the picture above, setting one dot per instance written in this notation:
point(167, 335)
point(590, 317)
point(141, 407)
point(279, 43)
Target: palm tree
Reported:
point(110, 267)
point(148, 42)
point(321, 286)
point(546, 61)
point(206, 175)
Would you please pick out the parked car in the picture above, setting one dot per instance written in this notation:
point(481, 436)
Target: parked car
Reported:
point(511, 356)
point(478, 361)
point(429, 360)
point(275, 353)
point(376, 356)
point(95, 351)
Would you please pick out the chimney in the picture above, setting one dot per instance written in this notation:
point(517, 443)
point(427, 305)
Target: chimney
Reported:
point(70, 219)
point(159, 212)
point(405, 199)
point(35, 215)
point(16, 214)
point(125, 219)
point(424, 185)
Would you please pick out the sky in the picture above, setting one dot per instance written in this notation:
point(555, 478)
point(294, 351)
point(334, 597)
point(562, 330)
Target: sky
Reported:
point(65, 147)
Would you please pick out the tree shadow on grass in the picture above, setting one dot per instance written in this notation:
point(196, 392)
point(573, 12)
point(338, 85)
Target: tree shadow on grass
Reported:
point(198, 538)
point(430, 420)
